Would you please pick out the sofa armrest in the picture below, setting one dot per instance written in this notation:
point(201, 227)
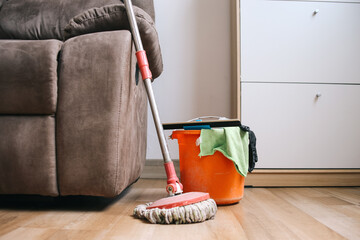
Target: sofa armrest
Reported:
point(101, 116)
point(114, 17)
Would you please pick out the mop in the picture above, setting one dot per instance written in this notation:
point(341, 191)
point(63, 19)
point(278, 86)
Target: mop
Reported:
point(179, 207)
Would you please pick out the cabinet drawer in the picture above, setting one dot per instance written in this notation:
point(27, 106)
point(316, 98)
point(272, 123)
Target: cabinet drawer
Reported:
point(286, 41)
point(297, 129)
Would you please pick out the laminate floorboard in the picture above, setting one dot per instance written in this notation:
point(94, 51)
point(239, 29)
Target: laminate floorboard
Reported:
point(263, 213)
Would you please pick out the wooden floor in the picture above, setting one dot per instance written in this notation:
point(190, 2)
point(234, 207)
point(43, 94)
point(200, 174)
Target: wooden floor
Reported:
point(263, 213)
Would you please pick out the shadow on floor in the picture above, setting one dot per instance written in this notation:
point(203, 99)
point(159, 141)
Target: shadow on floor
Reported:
point(61, 203)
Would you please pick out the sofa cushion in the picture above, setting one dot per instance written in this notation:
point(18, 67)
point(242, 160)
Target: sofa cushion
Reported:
point(27, 155)
point(114, 17)
point(46, 19)
point(28, 76)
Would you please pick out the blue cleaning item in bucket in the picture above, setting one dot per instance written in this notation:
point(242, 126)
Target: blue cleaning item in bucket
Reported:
point(198, 127)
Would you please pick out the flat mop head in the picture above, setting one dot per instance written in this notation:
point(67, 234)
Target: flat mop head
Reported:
point(190, 207)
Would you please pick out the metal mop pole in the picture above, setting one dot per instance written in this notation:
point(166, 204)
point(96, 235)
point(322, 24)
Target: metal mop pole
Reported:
point(174, 186)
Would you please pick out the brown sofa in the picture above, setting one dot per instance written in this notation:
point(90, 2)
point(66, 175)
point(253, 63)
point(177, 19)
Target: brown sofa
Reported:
point(72, 113)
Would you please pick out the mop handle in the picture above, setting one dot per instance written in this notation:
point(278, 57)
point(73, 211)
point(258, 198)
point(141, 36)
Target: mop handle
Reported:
point(174, 185)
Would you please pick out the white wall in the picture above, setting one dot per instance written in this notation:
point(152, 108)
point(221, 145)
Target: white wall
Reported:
point(195, 43)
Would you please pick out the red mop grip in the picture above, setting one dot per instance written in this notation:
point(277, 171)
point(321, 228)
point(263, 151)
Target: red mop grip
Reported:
point(172, 179)
point(143, 65)
point(170, 173)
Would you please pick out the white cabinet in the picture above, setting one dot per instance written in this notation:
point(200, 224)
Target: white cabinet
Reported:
point(300, 82)
point(304, 125)
point(285, 41)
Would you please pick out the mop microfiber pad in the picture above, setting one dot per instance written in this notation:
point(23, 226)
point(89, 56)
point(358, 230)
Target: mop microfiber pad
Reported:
point(185, 208)
point(193, 213)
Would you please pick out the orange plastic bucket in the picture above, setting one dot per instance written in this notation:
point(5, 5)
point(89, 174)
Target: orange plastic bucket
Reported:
point(213, 174)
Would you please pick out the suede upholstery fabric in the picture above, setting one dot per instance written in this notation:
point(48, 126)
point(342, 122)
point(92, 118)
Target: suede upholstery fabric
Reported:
point(72, 115)
point(27, 155)
point(114, 17)
point(147, 6)
point(28, 76)
point(101, 117)
point(46, 19)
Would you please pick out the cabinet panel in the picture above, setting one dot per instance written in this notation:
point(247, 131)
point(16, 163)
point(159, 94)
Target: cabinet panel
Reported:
point(286, 41)
point(297, 129)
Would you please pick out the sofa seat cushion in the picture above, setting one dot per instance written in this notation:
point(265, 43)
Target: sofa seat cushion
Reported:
point(28, 76)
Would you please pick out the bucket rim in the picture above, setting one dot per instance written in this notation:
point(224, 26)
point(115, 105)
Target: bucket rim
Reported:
point(179, 133)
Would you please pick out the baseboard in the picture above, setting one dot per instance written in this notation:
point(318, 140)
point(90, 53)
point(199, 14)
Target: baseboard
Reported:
point(303, 178)
point(276, 177)
point(154, 168)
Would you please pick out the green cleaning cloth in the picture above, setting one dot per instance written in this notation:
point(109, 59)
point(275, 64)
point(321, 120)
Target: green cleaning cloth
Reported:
point(230, 141)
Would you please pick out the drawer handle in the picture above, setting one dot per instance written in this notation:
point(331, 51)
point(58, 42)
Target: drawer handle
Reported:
point(318, 95)
point(316, 11)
